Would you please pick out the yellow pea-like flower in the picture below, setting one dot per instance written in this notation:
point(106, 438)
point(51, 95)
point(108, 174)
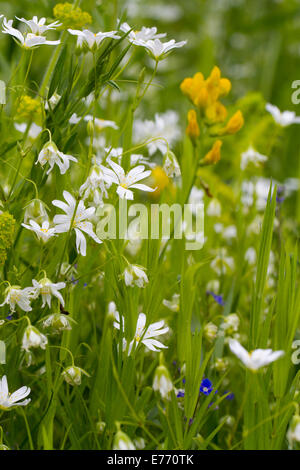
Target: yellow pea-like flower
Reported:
point(202, 98)
point(216, 113)
point(213, 156)
point(224, 87)
point(192, 129)
point(234, 124)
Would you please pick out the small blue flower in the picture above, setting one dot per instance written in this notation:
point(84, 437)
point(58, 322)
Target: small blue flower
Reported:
point(206, 387)
point(230, 396)
point(74, 281)
point(9, 317)
point(180, 394)
point(183, 381)
point(217, 298)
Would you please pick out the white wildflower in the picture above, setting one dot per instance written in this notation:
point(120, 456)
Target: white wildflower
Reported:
point(43, 232)
point(33, 338)
point(47, 289)
point(91, 41)
point(285, 118)
point(50, 154)
point(135, 276)
point(8, 400)
point(144, 335)
point(252, 156)
point(164, 127)
point(14, 295)
point(162, 381)
point(80, 220)
point(126, 181)
point(257, 358)
point(28, 40)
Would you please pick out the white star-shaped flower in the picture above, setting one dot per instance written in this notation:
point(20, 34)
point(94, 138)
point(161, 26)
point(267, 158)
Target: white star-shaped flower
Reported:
point(285, 118)
point(252, 156)
point(129, 180)
point(8, 400)
point(144, 335)
point(255, 359)
point(43, 232)
point(100, 123)
point(95, 184)
point(22, 297)
point(80, 221)
point(140, 37)
point(159, 50)
point(26, 40)
point(91, 40)
point(38, 26)
point(46, 289)
point(50, 154)
point(160, 132)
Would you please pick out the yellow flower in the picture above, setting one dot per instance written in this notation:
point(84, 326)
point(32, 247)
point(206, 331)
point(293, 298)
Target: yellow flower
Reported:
point(191, 86)
point(206, 93)
point(202, 98)
point(29, 109)
point(234, 124)
point(216, 113)
point(160, 180)
point(70, 16)
point(192, 129)
point(214, 155)
point(7, 227)
point(224, 87)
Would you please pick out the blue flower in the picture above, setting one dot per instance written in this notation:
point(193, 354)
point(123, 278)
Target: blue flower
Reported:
point(180, 394)
point(217, 298)
point(230, 396)
point(9, 317)
point(206, 387)
point(74, 281)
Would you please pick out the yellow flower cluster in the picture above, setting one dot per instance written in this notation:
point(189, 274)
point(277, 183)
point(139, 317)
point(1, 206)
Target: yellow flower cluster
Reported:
point(70, 16)
point(29, 109)
point(205, 94)
point(7, 227)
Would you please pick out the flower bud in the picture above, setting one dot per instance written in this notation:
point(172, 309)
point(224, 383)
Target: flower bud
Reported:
point(100, 426)
point(162, 381)
point(122, 441)
point(72, 375)
point(90, 128)
point(293, 433)
point(210, 331)
point(139, 443)
point(192, 129)
point(32, 338)
point(35, 210)
point(171, 166)
point(57, 322)
point(135, 276)
point(221, 364)
point(4, 447)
